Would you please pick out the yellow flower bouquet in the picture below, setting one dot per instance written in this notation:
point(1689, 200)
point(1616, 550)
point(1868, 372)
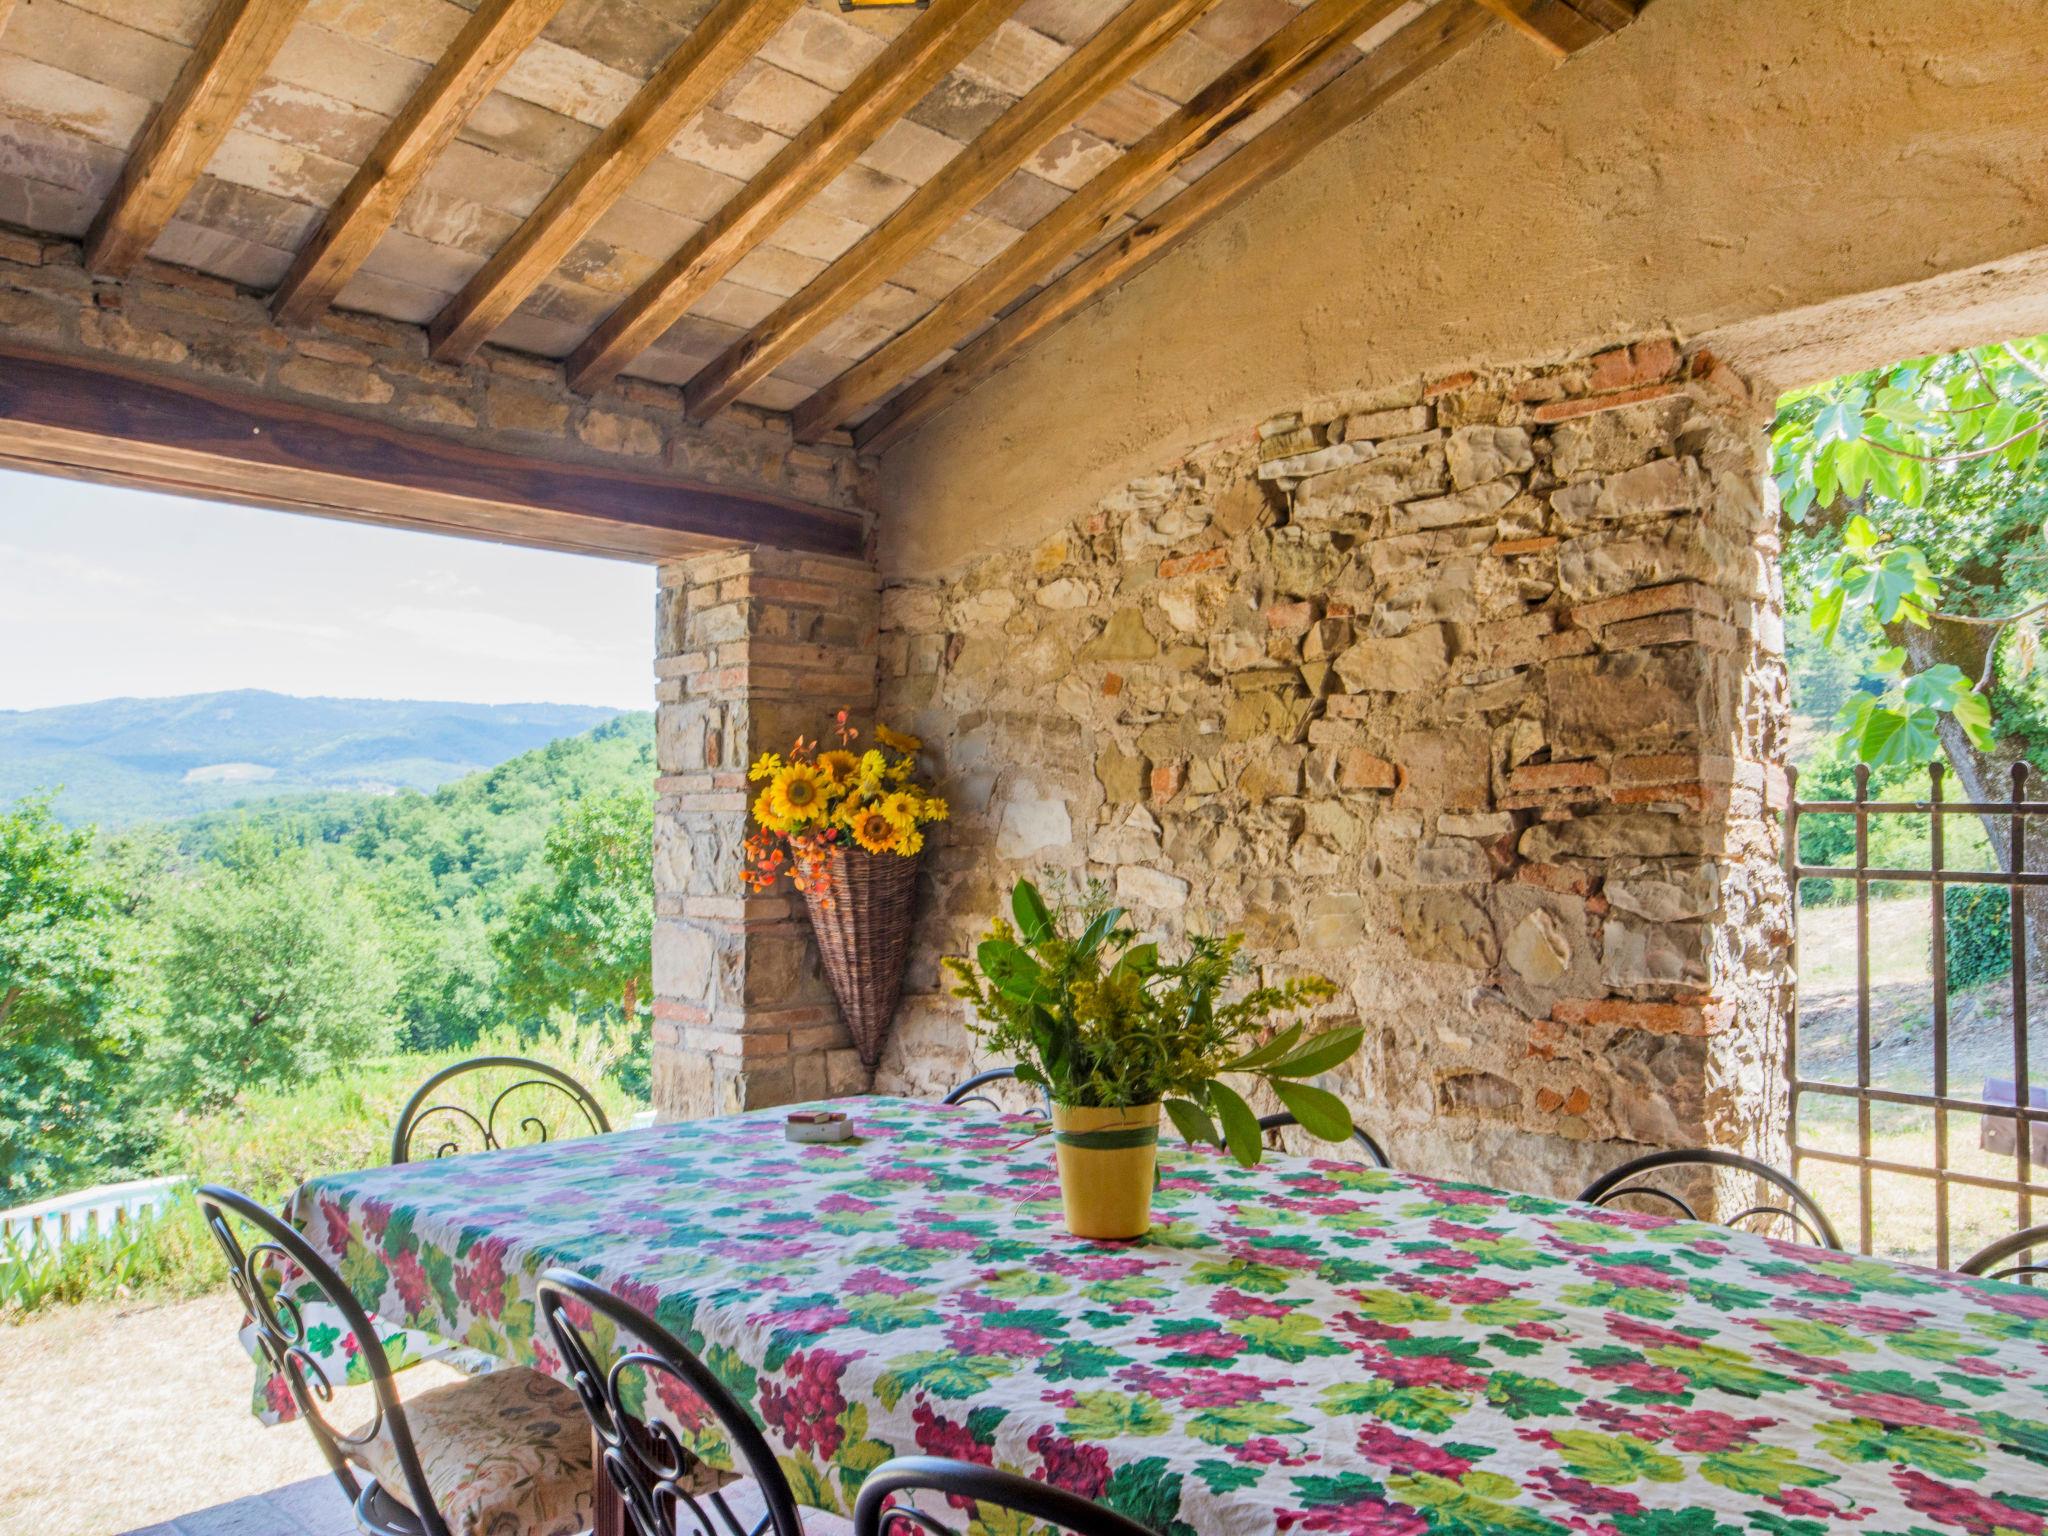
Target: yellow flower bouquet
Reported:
point(813, 804)
point(846, 826)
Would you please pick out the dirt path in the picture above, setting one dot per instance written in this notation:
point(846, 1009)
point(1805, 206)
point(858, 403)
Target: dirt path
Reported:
point(120, 1417)
point(1901, 1005)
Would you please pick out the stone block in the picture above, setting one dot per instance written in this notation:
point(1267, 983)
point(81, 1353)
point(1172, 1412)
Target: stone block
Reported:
point(1123, 775)
point(1400, 421)
point(1033, 822)
point(1482, 453)
point(1383, 481)
point(1662, 891)
point(1450, 770)
point(1148, 887)
point(1631, 701)
point(1480, 504)
point(1410, 663)
point(1124, 638)
point(1447, 927)
point(1334, 920)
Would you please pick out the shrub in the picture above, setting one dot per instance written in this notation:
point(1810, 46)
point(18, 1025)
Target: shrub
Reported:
point(1979, 923)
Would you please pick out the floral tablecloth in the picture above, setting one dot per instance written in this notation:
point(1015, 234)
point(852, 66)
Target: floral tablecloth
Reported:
point(1315, 1346)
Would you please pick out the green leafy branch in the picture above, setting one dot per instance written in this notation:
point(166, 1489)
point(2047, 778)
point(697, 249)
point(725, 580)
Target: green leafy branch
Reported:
point(1100, 1019)
point(1898, 438)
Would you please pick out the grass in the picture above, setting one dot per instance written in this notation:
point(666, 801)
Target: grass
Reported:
point(1903, 1213)
point(266, 1145)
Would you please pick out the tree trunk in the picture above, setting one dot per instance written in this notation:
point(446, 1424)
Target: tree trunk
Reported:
point(630, 1003)
point(1984, 776)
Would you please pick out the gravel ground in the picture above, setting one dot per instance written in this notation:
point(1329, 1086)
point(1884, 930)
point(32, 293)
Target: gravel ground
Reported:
point(119, 1417)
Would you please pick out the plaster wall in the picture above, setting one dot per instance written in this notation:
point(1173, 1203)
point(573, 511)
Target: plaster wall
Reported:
point(1747, 167)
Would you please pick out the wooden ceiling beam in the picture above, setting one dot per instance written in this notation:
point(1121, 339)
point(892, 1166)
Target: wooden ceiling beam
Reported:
point(240, 40)
point(1612, 15)
point(1315, 34)
point(687, 80)
point(1119, 49)
point(897, 80)
point(1561, 27)
point(111, 420)
point(1423, 45)
point(487, 46)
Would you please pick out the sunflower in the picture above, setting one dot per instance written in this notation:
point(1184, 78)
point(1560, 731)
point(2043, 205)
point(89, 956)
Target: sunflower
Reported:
point(768, 811)
point(764, 765)
point(900, 808)
point(839, 767)
point(897, 741)
point(800, 791)
point(876, 832)
point(936, 809)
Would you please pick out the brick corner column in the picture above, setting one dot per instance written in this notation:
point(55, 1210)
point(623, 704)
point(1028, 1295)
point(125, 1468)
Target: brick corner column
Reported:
point(755, 646)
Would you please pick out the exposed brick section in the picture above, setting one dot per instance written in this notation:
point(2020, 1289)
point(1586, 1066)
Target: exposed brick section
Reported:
point(1458, 694)
point(1557, 776)
point(1571, 410)
point(756, 646)
point(1188, 565)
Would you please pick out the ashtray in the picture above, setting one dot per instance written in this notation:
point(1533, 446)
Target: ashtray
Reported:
point(818, 1125)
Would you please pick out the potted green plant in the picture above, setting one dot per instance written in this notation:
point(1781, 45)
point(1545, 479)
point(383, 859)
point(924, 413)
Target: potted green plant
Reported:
point(1112, 1032)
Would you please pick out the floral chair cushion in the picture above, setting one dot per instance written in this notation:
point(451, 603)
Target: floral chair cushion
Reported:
point(506, 1454)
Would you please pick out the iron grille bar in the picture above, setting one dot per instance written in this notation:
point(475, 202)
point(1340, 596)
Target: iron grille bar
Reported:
point(1943, 1103)
point(1915, 1171)
point(1939, 961)
point(1866, 1215)
point(1876, 1095)
point(2022, 1092)
point(1948, 876)
point(1920, 807)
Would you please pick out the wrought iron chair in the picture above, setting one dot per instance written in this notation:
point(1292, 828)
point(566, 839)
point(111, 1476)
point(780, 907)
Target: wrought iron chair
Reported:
point(657, 1478)
point(1803, 1212)
point(875, 1515)
point(1374, 1152)
point(1989, 1262)
point(463, 1129)
point(966, 1093)
point(409, 1469)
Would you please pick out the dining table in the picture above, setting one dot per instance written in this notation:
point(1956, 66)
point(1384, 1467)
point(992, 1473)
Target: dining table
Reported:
point(1306, 1345)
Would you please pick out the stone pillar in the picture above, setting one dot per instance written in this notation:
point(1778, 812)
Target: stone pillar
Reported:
point(756, 646)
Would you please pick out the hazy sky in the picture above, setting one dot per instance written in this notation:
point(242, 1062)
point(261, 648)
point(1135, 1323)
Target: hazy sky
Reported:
point(111, 592)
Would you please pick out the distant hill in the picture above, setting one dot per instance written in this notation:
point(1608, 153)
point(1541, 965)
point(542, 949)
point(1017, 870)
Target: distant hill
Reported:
point(120, 761)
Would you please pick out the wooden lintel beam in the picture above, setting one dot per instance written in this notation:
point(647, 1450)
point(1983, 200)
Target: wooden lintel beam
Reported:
point(1421, 46)
point(110, 420)
point(489, 43)
point(240, 40)
point(1118, 49)
point(1557, 26)
point(896, 81)
point(1315, 34)
point(726, 38)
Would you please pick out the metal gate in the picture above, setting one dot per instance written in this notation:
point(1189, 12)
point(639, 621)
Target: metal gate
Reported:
point(2012, 1115)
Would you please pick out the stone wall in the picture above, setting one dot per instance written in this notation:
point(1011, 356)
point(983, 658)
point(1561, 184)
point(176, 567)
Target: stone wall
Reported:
point(755, 646)
point(1463, 695)
point(202, 328)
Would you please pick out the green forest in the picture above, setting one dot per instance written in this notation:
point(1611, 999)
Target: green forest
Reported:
point(168, 973)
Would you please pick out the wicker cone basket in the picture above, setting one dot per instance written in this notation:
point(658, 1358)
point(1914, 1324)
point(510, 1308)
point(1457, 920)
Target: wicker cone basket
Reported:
point(864, 938)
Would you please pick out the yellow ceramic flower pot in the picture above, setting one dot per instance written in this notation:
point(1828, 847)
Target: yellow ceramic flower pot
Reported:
point(1107, 1158)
